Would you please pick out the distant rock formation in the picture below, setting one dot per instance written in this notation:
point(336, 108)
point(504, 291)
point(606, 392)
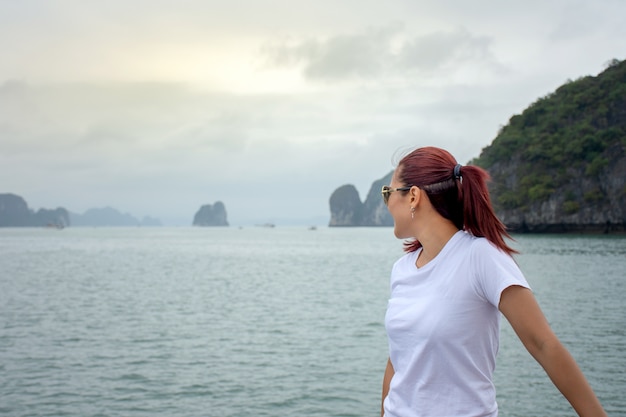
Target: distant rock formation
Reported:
point(58, 217)
point(211, 215)
point(108, 217)
point(347, 210)
point(14, 212)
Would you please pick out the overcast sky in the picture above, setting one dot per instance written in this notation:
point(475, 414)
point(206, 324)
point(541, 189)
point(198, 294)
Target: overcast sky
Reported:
point(157, 107)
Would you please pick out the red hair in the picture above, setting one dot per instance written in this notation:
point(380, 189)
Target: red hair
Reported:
point(463, 200)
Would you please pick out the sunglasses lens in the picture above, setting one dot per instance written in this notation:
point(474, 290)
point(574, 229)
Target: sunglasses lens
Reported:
point(385, 193)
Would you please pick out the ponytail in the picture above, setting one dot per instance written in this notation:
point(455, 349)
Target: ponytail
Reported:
point(479, 218)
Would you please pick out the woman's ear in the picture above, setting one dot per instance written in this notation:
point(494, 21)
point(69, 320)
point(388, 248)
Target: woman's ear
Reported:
point(416, 195)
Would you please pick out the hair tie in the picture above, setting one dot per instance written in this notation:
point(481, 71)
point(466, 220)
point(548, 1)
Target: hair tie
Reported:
point(457, 171)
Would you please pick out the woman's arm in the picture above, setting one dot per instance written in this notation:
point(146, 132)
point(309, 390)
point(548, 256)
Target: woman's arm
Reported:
point(386, 379)
point(519, 306)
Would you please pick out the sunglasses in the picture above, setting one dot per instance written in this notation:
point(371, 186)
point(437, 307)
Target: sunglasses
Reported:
point(387, 190)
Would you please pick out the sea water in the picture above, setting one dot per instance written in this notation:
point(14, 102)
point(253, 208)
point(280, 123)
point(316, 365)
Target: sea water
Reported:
point(263, 321)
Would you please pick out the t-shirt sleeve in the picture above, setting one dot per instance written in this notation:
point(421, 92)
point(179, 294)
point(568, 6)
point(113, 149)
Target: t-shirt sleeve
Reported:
point(494, 271)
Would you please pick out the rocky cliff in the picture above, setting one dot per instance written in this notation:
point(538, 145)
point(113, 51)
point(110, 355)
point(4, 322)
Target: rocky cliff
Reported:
point(583, 203)
point(347, 210)
point(211, 215)
point(560, 166)
point(14, 212)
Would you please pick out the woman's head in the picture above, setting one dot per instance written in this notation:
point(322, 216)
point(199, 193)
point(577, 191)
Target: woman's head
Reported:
point(458, 193)
point(432, 170)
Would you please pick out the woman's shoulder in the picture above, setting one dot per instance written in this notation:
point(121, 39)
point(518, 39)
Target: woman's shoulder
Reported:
point(481, 249)
point(466, 242)
point(480, 244)
point(408, 259)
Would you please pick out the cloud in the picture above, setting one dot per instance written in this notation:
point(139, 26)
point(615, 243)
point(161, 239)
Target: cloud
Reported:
point(383, 52)
point(445, 51)
point(338, 57)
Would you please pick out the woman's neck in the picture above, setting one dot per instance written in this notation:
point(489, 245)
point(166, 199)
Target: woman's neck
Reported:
point(434, 240)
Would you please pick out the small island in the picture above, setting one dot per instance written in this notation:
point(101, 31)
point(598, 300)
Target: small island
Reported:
point(211, 215)
point(347, 210)
point(14, 212)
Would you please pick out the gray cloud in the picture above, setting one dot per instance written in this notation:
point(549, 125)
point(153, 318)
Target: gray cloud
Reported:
point(444, 51)
point(342, 56)
point(383, 52)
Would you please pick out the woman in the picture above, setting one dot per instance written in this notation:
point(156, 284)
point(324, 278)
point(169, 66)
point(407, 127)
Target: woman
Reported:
point(447, 293)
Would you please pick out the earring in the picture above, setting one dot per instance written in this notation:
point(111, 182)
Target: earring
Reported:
point(412, 212)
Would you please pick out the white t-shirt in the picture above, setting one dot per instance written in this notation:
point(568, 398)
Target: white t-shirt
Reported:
point(443, 326)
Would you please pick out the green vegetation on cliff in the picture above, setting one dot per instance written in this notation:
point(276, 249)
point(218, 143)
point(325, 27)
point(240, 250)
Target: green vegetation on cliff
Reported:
point(575, 135)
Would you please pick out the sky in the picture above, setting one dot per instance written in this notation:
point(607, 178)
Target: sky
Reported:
point(158, 107)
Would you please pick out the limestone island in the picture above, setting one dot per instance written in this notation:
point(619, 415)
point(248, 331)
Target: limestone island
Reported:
point(211, 215)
